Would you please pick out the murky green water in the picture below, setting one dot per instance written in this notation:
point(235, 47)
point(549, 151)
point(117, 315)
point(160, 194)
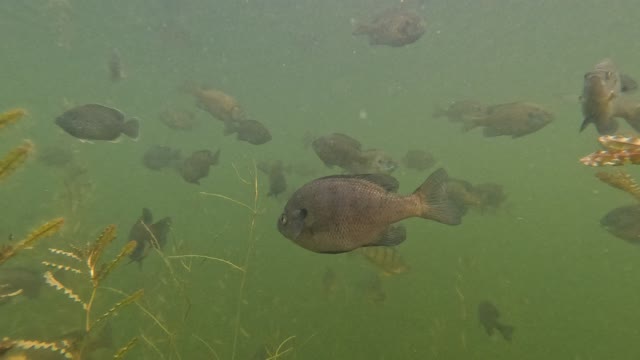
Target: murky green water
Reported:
point(569, 288)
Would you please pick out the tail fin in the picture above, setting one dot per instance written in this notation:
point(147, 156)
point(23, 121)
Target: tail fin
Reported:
point(435, 200)
point(131, 128)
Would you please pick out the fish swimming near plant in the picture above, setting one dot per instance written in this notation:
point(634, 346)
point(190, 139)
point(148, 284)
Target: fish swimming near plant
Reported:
point(97, 122)
point(341, 213)
point(488, 315)
point(148, 235)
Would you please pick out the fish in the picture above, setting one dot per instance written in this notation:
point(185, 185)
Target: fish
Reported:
point(488, 315)
point(55, 156)
point(196, 166)
point(491, 196)
point(116, 72)
point(277, 180)
point(251, 131)
point(386, 259)
point(219, 104)
point(418, 160)
point(147, 235)
point(484, 197)
point(158, 157)
point(178, 119)
point(514, 119)
point(337, 149)
point(461, 110)
point(97, 122)
point(19, 281)
point(393, 27)
point(372, 161)
point(604, 98)
point(624, 223)
point(601, 87)
point(341, 213)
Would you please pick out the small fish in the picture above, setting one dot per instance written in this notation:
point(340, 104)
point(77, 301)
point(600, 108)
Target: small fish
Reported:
point(418, 160)
point(394, 27)
point(372, 161)
point(513, 119)
point(386, 259)
point(624, 223)
point(601, 87)
point(147, 234)
point(337, 149)
point(277, 180)
point(116, 73)
point(178, 119)
point(251, 131)
point(158, 157)
point(220, 105)
point(341, 213)
point(491, 196)
point(196, 166)
point(96, 122)
point(488, 315)
point(604, 98)
point(461, 110)
point(55, 156)
point(19, 281)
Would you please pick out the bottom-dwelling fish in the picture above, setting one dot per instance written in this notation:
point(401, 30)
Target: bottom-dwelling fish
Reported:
point(341, 213)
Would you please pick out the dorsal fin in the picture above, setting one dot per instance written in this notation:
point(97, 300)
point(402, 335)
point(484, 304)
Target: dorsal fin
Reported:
point(387, 182)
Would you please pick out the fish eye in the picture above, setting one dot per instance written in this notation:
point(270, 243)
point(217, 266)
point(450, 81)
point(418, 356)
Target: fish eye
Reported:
point(283, 219)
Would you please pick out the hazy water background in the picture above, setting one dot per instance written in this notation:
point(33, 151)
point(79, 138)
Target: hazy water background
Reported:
point(568, 287)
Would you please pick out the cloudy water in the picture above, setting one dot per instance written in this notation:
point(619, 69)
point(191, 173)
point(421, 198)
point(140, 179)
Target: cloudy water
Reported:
point(260, 81)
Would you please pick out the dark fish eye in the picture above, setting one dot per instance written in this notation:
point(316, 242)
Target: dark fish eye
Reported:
point(283, 219)
point(303, 213)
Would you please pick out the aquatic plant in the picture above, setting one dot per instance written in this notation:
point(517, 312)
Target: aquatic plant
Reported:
point(47, 229)
point(96, 272)
point(253, 213)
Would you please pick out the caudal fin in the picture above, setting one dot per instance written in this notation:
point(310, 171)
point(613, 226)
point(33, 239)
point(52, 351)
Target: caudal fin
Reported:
point(435, 200)
point(131, 128)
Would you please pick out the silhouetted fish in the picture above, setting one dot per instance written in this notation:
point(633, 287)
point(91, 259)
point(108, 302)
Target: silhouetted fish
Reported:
point(159, 157)
point(488, 315)
point(196, 166)
point(513, 119)
point(19, 281)
point(147, 234)
point(624, 223)
point(96, 122)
